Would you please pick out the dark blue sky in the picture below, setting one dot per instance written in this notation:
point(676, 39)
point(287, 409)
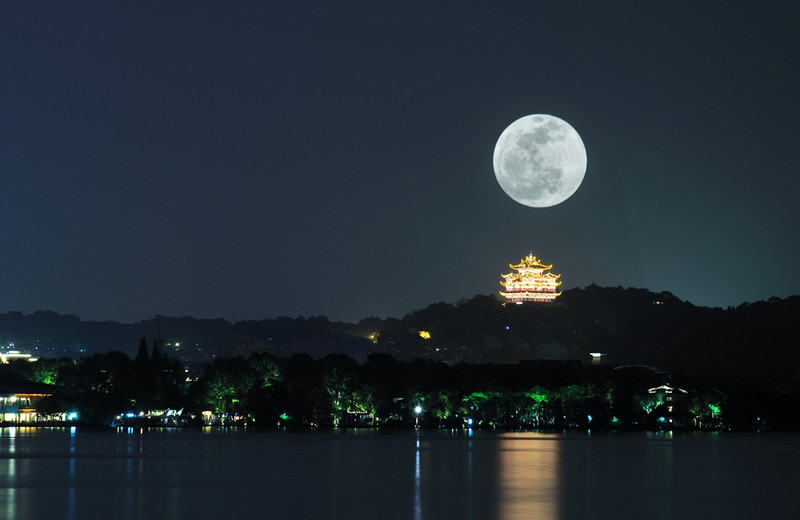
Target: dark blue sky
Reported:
point(304, 158)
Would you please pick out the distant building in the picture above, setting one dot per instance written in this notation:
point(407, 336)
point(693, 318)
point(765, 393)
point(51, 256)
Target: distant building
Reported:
point(598, 357)
point(663, 407)
point(21, 403)
point(15, 355)
point(530, 281)
point(671, 396)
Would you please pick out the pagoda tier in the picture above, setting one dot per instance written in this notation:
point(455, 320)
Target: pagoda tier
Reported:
point(530, 282)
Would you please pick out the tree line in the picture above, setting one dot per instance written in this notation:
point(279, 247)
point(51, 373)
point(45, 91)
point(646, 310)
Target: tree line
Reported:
point(264, 390)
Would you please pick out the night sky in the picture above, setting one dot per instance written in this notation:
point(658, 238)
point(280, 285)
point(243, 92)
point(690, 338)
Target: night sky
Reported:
point(272, 159)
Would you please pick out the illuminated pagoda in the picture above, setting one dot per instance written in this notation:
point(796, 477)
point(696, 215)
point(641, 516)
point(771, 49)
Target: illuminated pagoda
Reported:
point(530, 281)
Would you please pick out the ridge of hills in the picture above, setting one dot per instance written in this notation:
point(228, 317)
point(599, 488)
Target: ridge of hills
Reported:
point(628, 326)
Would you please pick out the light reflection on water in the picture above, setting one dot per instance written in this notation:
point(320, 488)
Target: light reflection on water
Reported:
point(8, 494)
point(528, 475)
point(423, 475)
point(417, 484)
point(72, 485)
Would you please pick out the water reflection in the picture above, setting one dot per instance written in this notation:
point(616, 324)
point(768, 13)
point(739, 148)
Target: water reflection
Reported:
point(71, 479)
point(528, 465)
point(476, 476)
point(417, 484)
point(8, 493)
point(421, 475)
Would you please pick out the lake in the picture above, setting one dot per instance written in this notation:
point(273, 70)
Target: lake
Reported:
point(70, 473)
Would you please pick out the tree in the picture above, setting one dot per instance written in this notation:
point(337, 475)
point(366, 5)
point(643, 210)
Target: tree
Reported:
point(141, 355)
point(225, 384)
point(155, 357)
point(265, 368)
point(538, 410)
point(705, 408)
point(340, 380)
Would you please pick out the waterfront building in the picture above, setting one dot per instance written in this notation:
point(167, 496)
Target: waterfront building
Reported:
point(15, 355)
point(20, 403)
point(530, 281)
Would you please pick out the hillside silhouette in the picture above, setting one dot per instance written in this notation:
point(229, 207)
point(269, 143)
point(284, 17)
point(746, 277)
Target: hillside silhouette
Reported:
point(628, 326)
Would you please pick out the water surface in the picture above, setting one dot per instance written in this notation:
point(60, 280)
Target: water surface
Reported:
point(164, 474)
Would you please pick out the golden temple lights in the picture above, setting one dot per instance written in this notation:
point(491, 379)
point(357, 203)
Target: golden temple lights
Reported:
point(530, 281)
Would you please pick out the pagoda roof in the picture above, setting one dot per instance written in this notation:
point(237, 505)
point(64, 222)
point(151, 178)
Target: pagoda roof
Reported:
point(530, 262)
point(517, 276)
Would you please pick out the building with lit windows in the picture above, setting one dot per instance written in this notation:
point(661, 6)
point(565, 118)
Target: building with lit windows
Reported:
point(670, 396)
point(15, 355)
point(663, 407)
point(530, 281)
point(19, 403)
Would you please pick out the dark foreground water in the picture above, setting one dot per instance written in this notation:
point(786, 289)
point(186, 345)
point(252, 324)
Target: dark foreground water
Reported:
point(196, 474)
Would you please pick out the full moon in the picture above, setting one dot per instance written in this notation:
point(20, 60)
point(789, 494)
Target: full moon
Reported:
point(539, 160)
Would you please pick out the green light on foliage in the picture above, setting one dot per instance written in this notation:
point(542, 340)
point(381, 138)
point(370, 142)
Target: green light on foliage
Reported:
point(539, 397)
point(285, 417)
point(476, 396)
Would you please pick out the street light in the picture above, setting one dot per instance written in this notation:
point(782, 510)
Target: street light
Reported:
point(417, 411)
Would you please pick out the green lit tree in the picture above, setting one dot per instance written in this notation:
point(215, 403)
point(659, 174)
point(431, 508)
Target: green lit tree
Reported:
point(443, 406)
point(225, 384)
point(339, 382)
point(705, 408)
point(473, 406)
point(538, 410)
point(266, 369)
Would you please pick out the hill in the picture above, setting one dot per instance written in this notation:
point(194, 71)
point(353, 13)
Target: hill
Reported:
point(629, 326)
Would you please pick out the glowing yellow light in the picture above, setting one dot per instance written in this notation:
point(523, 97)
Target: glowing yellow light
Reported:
point(530, 281)
point(424, 334)
point(373, 337)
